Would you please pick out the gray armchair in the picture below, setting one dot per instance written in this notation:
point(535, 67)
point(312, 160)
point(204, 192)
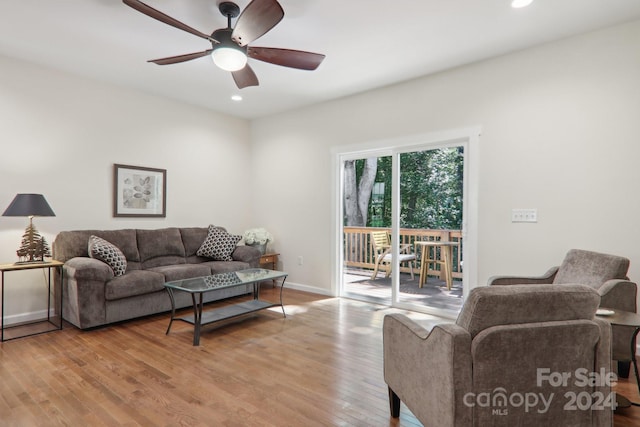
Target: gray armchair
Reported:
point(607, 274)
point(506, 348)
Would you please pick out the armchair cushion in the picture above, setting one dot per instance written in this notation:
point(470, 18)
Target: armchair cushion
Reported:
point(591, 268)
point(518, 304)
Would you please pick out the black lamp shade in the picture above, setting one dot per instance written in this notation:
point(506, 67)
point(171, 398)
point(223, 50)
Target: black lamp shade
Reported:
point(29, 205)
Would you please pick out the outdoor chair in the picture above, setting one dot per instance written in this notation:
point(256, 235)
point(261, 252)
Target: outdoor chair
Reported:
point(381, 250)
point(508, 346)
point(607, 274)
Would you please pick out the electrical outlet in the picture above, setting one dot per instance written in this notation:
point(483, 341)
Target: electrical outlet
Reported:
point(524, 215)
point(300, 260)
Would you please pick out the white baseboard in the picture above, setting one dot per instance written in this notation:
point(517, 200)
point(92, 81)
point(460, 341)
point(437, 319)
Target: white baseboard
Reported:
point(27, 317)
point(306, 288)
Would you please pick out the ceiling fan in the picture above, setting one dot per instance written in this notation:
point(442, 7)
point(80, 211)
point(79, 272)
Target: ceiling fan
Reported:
point(230, 46)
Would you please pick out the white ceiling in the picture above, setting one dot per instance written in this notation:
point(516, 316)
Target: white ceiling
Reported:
point(368, 43)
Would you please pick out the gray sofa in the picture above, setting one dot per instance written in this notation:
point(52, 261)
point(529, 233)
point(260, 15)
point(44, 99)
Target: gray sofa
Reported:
point(94, 296)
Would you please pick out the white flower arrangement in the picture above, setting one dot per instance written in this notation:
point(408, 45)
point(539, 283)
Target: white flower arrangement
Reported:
point(257, 236)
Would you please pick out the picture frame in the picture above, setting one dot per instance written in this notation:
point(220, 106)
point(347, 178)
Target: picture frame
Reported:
point(139, 191)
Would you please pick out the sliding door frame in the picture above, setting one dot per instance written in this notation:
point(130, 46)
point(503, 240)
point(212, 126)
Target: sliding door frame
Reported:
point(468, 138)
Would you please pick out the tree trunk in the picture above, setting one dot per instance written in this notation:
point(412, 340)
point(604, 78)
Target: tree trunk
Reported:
point(351, 209)
point(365, 186)
point(358, 193)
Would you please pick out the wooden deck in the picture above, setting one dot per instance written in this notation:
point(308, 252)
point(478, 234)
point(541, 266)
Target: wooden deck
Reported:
point(359, 285)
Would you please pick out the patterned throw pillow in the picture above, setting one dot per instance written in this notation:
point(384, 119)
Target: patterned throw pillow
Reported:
point(108, 253)
point(219, 244)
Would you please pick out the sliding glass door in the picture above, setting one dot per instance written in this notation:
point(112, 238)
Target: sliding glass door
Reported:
point(430, 227)
point(401, 225)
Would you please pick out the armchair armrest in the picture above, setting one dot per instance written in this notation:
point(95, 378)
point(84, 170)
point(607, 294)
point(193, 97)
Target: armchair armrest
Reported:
point(619, 294)
point(426, 368)
point(405, 248)
point(546, 278)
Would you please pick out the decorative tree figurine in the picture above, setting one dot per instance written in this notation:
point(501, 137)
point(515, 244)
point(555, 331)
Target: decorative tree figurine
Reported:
point(33, 247)
point(42, 249)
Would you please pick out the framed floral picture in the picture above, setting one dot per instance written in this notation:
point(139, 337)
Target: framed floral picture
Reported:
point(139, 191)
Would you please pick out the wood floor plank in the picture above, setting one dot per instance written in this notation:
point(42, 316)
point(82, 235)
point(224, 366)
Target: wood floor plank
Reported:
point(319, 366)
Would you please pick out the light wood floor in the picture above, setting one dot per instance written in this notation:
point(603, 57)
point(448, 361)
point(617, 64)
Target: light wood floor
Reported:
point(321, 366)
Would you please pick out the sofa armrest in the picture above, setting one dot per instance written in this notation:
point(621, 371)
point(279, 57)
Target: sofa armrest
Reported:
point(88, 268)
point(247, 254)
point(546, 278)
point(425, 368)
point(619, 294)
point(84, 291)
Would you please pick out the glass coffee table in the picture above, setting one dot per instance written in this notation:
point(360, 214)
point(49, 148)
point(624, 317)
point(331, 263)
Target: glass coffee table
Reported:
point(199, 286)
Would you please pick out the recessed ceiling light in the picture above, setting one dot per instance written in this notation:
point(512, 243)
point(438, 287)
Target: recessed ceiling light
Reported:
point(520, 3)
point(236, 98)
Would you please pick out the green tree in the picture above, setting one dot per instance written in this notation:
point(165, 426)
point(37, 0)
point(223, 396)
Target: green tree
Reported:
point(430, 189)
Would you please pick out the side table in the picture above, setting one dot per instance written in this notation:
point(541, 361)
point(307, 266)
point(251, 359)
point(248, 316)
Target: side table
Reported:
point(48, 324)
point(270, 261)
point(625, 318)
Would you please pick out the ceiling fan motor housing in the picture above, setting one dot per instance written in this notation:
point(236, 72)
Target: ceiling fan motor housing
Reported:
point(229, 9)
point(223, 35)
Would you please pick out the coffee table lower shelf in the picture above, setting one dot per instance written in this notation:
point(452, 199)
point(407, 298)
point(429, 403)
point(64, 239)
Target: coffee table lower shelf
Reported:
point(230, 311)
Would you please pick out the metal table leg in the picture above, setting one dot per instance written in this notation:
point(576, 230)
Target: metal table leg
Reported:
point(173, 308)
point(197, 317)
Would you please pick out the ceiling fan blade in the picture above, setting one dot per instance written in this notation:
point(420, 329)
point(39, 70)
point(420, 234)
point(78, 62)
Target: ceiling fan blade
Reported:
point(245, 77)
point(286, 57)
point(255, 20)
point(156, 14)
point(180, 58)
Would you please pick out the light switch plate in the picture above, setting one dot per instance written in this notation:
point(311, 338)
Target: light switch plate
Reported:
point(524, 215)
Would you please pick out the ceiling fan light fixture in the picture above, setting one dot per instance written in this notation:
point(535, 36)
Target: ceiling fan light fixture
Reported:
point(229, 58)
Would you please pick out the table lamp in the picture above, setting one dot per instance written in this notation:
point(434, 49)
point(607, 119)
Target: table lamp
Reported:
point(34, 247)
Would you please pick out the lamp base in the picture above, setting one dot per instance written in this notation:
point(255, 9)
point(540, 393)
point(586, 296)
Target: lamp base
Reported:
point(33, 247)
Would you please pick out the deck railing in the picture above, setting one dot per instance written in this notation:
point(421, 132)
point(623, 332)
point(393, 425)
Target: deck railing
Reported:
point(358, 251)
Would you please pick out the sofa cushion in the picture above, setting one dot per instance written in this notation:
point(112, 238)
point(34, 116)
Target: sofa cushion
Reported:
point(226, 266)
point(137, 282)
point(160, 247)
point(219, 244)
point(182, 271)
point(71, 244)
point(590, 268)
point(108, 253)
point(192, 238)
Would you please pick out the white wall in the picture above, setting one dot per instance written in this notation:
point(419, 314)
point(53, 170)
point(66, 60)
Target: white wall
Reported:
point(61, 136)
point(560, 133)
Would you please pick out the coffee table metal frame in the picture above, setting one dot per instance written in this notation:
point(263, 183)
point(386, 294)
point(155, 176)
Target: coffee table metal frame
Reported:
point(198, 286)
